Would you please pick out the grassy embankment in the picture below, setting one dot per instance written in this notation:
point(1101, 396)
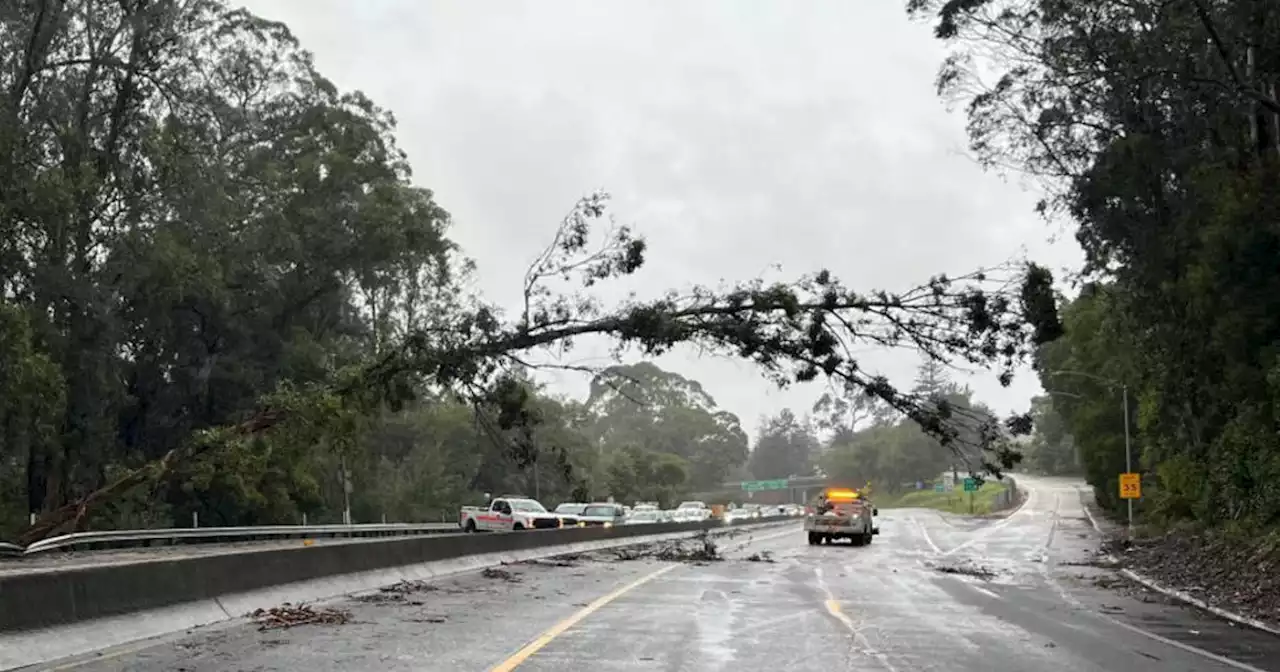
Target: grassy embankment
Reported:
point(955, 501)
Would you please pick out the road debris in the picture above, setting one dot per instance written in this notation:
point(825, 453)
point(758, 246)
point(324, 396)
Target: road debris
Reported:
point(762, 556)
point(427, 619)
point(1237, 573)
point(380, 598)
point(563, 561)
point(290, 615)
point(965, 569)
point(699, 550)
point(498, 573)
point(409, 587)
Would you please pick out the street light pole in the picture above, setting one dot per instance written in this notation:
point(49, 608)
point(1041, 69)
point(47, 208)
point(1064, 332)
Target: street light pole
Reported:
point(1128, 446)
point(1128, 453)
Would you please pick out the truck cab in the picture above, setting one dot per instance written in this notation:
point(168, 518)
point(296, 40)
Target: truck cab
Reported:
point(841, 513)
point(507, 514)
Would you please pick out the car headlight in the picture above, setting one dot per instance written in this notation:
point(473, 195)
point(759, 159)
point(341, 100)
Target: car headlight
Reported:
point(608, 524)
point(581, 524)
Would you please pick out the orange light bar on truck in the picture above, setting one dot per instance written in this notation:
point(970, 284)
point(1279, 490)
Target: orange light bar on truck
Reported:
point(841, 494)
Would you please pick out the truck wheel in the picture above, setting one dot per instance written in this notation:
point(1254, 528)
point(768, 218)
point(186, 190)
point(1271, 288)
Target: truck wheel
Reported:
point(866, 539)
point(470, 528)
point(857, 540)
point(518, 527)
point(813, 539)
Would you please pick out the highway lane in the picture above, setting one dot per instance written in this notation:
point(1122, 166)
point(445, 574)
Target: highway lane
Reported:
point(932, 593)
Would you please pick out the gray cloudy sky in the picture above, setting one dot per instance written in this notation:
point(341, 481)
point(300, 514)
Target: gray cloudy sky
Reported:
point(736, 135)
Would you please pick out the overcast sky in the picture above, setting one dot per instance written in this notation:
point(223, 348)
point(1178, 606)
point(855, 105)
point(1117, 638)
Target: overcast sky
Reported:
point(735, 135)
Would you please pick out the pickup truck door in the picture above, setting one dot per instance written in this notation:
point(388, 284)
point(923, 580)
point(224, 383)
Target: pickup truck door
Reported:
point(497, 518)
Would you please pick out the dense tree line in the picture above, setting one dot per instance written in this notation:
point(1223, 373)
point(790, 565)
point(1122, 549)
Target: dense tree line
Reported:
point(870, 443)
point(1156, 128)
point(642, 434)
point(222, 293)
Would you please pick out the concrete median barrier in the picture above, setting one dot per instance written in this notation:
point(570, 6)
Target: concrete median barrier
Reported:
point(55, 613)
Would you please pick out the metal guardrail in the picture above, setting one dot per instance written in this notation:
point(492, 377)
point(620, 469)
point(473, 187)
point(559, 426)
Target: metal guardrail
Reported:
point(222, 535)
point(1007, 497)
point(179, 535)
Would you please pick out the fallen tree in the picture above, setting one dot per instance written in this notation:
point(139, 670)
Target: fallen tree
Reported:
point(795, 331)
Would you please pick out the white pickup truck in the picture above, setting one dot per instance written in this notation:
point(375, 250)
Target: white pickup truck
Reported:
point(508, 514)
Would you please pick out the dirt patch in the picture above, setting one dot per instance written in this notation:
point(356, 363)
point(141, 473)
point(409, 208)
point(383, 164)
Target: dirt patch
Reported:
point(1236, 573)
point(290, 615)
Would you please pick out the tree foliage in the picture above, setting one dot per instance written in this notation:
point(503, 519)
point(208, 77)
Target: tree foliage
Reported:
point(1156, 126)
point(786, 448)
point(897, 452)
point(232, 284)
point(1051, 449)
point(644, 408)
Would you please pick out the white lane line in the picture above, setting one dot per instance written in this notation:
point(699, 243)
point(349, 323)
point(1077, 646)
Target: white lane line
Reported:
point(1023, 509)
point(1071, 600)
point(925, 533)
point(1176, 594)
point(989, 593)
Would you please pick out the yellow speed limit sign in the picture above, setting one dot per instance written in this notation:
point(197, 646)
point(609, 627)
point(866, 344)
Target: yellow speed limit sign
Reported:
point(1130, 486)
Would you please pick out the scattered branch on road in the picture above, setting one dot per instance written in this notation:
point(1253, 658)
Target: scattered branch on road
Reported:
point(498, 573)
point(409, 587)
point(700, 549)
point(964, 568)
point(289, 615)
point(561, 561)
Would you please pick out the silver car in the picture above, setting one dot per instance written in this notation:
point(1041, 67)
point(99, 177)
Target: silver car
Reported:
point(602, 515)
point(569, 512)
point(645, 517)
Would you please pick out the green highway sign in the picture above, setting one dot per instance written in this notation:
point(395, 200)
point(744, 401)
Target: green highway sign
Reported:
point(970, 484)
point(756, 486)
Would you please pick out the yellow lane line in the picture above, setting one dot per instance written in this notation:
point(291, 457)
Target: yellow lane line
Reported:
point(559, 628)
point(833, 608)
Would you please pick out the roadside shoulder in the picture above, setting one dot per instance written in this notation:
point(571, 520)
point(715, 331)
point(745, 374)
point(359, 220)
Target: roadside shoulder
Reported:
point(1234, 580)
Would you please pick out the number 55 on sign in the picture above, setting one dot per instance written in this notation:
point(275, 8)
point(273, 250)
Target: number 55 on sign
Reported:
point(1130, 486)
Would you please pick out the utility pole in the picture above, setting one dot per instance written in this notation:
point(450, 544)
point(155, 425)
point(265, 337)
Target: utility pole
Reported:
point(346, 493)
point(1128, 453)
point(1128, 443)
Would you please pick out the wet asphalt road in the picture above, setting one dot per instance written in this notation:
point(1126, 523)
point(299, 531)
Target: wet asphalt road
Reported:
point(932, 593)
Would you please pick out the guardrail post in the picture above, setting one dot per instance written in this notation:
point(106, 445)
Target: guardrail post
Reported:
point(195, 519)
